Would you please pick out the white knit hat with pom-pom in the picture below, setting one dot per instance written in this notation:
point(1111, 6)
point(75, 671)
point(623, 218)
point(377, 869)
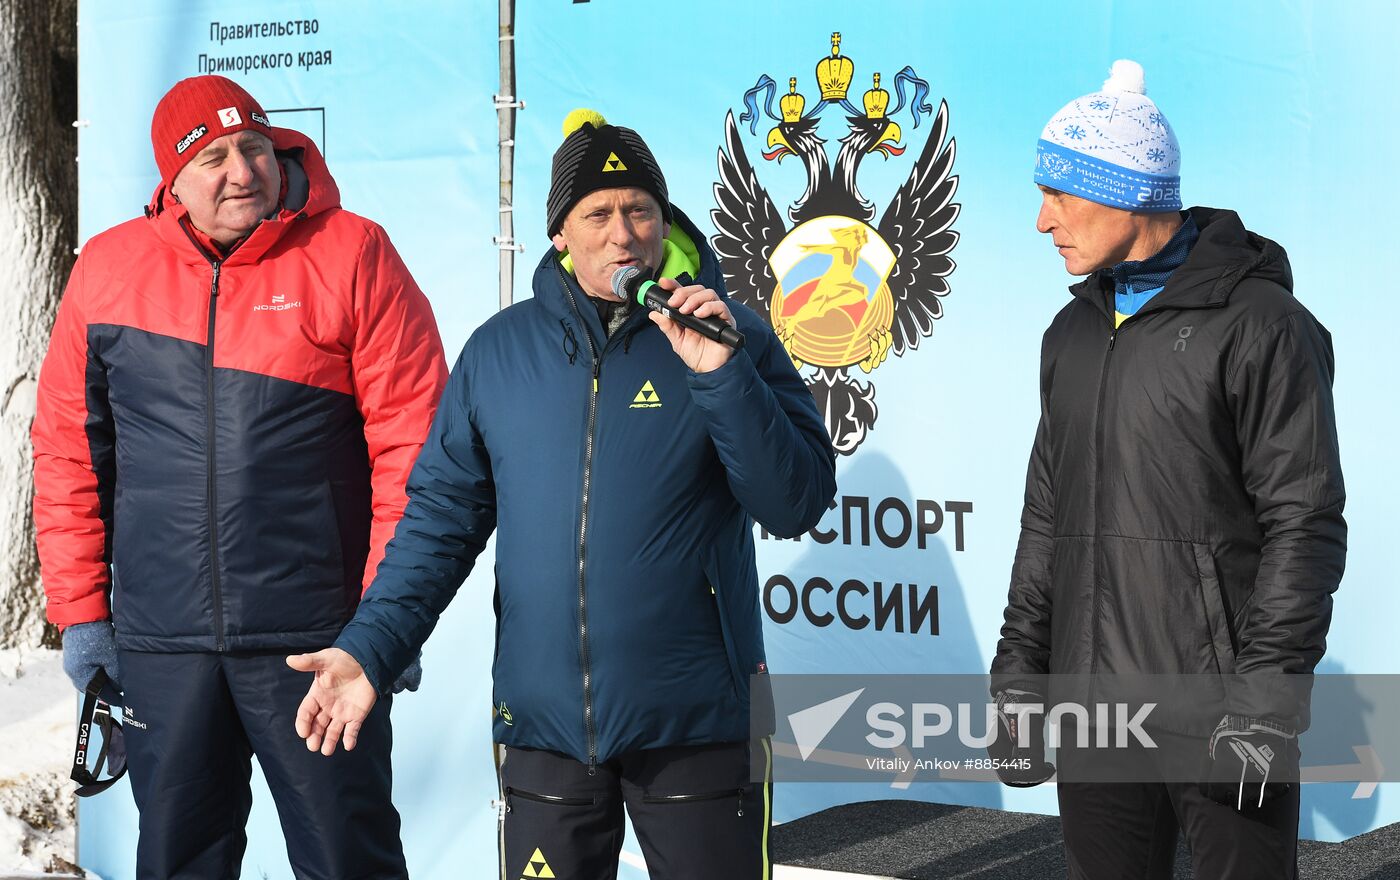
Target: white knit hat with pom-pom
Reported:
point(1113, 147)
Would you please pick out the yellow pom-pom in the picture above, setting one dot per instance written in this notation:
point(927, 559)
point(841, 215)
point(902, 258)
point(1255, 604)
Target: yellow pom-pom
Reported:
point(576, 118)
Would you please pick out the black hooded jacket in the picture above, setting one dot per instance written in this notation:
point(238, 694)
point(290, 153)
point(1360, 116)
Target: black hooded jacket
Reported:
point(1183, 508)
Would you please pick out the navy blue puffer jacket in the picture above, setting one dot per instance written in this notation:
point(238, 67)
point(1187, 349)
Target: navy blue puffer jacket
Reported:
point(623, 488)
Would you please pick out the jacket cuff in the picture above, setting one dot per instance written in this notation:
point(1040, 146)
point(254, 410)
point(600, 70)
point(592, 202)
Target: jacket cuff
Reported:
point(89, 609)
point(353, 641)
point(728, 378)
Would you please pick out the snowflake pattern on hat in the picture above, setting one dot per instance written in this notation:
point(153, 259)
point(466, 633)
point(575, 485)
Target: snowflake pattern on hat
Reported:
point(1113, 147)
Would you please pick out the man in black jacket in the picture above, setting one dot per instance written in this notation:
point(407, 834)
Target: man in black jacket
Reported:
point(1183, 510)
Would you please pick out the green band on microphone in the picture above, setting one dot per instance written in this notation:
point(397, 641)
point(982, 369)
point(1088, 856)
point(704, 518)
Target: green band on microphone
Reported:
point(642, 291)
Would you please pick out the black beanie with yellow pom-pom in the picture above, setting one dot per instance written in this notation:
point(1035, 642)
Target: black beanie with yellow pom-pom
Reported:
point(594, 156)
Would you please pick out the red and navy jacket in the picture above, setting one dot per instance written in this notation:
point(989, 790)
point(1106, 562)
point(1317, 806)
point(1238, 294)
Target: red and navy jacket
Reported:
point(221, 441)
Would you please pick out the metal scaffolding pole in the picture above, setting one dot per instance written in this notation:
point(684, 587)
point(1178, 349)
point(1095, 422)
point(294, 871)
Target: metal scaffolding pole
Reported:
point(506, 105)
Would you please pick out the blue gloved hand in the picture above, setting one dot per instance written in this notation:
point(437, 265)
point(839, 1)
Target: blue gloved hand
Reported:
point(411, 677)
point(88, 647)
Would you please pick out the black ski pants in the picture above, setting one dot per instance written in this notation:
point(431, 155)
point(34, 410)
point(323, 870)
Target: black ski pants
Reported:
point(696, 813)
point(1122, 830)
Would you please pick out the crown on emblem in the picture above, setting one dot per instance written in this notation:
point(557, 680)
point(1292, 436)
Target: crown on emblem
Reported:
point(792, 103)
point(877, 100)
point(834, 73)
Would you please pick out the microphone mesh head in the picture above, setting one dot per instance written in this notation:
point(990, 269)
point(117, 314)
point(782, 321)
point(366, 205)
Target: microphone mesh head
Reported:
point(624, 281)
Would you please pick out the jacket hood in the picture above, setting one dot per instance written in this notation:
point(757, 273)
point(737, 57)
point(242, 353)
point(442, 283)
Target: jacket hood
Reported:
point(1225, 255)
point(308, 190)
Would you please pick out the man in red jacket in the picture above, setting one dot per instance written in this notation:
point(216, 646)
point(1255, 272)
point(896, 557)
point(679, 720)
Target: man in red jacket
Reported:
point(235, 390)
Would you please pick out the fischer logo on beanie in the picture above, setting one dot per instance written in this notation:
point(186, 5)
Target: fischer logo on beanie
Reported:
point(193, 113)
point(1113, 147)
point(594, 156)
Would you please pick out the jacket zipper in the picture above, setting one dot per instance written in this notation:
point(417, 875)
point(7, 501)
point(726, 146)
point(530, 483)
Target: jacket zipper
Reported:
point(547, 799)
point(1098, 502)
point(690, 798)
point(209, 463)
point(211, 489)
point(589, 727)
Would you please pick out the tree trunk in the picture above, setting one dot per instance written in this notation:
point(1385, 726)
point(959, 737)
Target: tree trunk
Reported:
point(38, 231)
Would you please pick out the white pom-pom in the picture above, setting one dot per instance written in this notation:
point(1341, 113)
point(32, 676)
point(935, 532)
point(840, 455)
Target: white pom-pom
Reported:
point(1126, 76)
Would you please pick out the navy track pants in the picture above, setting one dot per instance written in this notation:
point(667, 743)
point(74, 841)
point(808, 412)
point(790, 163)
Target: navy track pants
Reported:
point(193, 723)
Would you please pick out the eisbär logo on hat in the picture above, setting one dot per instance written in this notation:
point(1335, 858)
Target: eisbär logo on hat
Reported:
point(195, 134)
point(196, 111)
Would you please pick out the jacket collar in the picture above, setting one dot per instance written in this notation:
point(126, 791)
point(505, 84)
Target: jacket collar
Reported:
point(308, 186)
point(1151, 274)
point(552, 285)
point(1224, 255)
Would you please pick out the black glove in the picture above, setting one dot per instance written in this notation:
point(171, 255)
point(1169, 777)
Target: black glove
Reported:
point(1016, 765)
point(1251, 760)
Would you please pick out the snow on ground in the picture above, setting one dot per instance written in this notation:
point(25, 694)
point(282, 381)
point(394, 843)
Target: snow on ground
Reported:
point(38, 711)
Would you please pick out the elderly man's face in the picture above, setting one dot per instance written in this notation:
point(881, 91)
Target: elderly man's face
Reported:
point(610, 228)
point(1088, 235)
point(230, 186)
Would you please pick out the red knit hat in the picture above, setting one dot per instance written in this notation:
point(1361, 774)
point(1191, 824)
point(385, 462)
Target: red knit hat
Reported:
point(194, 113)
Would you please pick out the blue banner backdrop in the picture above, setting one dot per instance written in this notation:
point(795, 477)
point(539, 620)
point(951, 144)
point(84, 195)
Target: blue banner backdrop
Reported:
point(1276, 112)
point(398, 96)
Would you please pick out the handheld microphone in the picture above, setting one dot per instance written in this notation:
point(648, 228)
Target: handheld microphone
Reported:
point(629, 283)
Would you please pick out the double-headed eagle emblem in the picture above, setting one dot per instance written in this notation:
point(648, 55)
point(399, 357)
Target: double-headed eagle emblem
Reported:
point(838, 291)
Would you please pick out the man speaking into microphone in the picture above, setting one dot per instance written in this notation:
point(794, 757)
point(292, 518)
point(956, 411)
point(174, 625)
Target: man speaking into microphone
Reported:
point(622, 458)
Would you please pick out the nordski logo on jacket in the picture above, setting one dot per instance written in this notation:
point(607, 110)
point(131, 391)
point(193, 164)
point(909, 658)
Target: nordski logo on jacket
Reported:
point(279, 304)
point(841, 289)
